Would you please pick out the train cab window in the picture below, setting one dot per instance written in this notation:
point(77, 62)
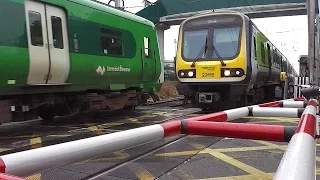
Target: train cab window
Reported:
point(195, 44)
point(111, 46)
point(225, 42)
point(57, 32)
point(146, 41)
point(35, 26)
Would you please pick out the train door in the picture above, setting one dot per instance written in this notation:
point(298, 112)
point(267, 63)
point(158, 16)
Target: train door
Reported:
point(48, 44)
point(148, 60)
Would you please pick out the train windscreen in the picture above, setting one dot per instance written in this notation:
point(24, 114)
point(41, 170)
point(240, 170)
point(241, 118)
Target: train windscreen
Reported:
point(211, 38)
point(194, 45)
point(225, 42)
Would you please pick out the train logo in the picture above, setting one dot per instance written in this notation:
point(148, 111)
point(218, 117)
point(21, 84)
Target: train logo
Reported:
point(101, 70)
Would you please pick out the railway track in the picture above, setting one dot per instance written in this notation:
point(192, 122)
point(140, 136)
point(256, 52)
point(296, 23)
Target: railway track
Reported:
point(112, 165)
point(150, 105)
point(24, 136)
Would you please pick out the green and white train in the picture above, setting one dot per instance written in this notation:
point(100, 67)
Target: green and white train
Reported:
point(62, 57)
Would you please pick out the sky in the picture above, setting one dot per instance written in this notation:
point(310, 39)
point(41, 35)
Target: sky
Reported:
point(289, 34)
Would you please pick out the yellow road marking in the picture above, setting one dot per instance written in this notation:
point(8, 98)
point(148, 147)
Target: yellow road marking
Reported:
point(275, 146)
point(282, 119)
point(140, 171)
point(175, 154)
point(244, 177)
point(96, 130)
point(111, 124)
point(16, 137)
point(134, 120)
point(148, 116)
point(119, 155)
point(275, 121)
point(193, 115)
point(62, 135)
point(34, 177)
point(4, 149)
point(197, 145)
point(90, 124)
point(238, 164)
point(256, 148)
point(35, 142)
point(187, 153)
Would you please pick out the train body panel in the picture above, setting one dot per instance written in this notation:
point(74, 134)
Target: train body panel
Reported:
point(79, 47)
point(249, 67)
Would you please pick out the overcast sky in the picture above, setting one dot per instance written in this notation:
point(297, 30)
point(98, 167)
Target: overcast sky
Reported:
point(289, 34)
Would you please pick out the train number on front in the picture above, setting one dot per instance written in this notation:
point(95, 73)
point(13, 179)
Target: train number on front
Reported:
point(207, 74)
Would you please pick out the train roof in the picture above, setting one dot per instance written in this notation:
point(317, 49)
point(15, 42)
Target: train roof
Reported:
point(111, 10)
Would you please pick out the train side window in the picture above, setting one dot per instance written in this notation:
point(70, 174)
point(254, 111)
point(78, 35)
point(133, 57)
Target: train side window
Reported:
point(57, 32)
point(111, 46)
point(146, 41)
point(263, 53)
point(269, 53)
point(111, 42)
point(35, 26)
point(255, 47)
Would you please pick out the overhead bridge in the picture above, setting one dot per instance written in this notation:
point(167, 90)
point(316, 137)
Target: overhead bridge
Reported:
point(257, 11)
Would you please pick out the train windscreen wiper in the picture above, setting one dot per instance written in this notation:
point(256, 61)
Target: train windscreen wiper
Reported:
point(203, 50)
point(217, 53)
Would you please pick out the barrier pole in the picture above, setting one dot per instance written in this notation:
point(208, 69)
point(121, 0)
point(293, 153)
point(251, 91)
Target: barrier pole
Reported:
point(299, 160)
point(238, 130)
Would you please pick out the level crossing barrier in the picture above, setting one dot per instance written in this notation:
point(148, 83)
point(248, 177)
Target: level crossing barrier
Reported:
point(36, 160)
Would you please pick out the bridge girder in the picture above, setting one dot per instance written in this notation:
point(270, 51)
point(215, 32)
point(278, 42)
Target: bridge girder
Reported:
point(258, 11)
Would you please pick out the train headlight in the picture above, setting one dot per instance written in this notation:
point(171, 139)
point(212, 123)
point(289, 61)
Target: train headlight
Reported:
point(227, 73)
point(187, 73)
point(232, 72)
point(190, 73)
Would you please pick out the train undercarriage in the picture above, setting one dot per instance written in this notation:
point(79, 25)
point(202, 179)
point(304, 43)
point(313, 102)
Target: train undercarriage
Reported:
point(47, 106)
point(220, 97)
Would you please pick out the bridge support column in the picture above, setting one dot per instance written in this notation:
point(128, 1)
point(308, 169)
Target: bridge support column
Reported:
point(161, 27)
point(311, 6)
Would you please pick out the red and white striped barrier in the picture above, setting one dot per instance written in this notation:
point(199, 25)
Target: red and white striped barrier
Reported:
point(289, 103)
point(299, 160)
point(32, 161)
point(238, 130)
point(275, 112)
